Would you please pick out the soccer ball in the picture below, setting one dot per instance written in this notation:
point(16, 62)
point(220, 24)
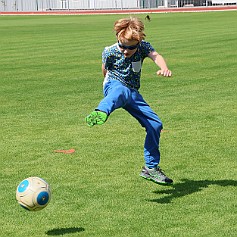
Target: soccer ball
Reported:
point(33, 194)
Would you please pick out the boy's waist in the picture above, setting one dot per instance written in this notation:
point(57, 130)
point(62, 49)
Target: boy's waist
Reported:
point(129, 82)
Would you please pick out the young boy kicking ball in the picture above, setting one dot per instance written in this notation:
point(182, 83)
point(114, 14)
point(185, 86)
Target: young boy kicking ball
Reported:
point(121, 67)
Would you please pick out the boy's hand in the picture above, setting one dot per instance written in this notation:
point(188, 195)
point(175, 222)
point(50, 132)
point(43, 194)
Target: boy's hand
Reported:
point(165, 73)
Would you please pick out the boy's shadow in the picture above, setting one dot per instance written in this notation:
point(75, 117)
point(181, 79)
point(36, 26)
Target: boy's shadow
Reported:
point(188, 187)
point(62, 231)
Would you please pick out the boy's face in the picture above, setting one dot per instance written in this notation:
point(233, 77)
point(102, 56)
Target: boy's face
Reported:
point(128, 47)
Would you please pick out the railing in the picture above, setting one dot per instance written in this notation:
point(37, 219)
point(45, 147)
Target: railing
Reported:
point(46, 5)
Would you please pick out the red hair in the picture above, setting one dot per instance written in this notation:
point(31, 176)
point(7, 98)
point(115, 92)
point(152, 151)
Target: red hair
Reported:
point(129, 29)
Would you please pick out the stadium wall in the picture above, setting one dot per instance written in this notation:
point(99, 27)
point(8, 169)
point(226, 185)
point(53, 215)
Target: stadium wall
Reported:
point(62, 5)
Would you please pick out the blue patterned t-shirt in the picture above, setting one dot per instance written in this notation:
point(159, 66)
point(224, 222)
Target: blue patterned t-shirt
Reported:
point(126, 70)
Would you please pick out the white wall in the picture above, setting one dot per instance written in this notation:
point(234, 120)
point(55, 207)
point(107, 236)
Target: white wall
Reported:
point(223, 1)
point(42, 5)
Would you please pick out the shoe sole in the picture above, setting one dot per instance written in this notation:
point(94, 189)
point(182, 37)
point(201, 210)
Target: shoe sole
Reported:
point(154, 181)
point(92, 120)
point(89, 122)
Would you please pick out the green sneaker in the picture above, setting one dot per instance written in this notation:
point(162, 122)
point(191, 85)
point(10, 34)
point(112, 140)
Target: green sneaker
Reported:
point(156, 175)
point(96, 118)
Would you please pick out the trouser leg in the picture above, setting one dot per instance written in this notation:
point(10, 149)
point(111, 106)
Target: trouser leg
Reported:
point(139, 109)
point(116, 96)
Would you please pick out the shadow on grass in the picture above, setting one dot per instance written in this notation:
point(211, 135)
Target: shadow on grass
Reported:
point(187, 187)
point(63, 231)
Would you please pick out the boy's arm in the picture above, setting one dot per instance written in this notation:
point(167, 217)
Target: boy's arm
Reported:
point(104, 71)
point(160, 62)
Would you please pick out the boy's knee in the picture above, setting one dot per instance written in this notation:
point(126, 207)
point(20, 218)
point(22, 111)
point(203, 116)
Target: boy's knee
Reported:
point(157, 126)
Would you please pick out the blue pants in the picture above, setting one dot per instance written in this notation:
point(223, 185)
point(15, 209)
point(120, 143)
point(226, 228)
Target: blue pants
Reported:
point(117, 96)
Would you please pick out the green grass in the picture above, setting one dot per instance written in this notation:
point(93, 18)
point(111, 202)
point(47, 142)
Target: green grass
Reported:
point(50, 79)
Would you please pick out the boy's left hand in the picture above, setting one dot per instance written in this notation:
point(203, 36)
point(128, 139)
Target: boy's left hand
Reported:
point(165, 73)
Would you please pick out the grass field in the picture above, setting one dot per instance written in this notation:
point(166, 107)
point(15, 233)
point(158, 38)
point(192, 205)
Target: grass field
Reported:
point(50, 79)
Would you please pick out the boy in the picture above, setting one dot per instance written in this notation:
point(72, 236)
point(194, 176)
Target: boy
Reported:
point(121, 67)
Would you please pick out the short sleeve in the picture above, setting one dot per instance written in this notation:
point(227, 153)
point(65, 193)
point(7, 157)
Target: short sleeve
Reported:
point(146, 48)
point(106, 58)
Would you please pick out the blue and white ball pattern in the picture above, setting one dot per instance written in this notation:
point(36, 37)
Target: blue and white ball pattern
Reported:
point(33, 193)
